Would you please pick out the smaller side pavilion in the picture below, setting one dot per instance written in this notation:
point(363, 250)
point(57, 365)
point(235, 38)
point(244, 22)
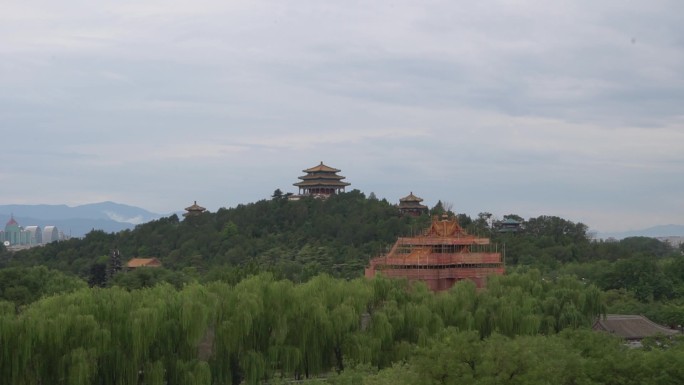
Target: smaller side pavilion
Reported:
point(135, 263)
point(509, 225)
point(194, 210)
point(410, 205)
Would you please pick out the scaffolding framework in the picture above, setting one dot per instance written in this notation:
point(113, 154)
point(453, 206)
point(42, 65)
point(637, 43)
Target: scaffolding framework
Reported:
point(441, 256)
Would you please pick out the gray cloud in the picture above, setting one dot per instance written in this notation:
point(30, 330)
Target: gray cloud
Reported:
point(567, 108)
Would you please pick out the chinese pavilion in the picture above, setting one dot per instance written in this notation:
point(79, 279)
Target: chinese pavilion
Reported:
point(194, 210)
point(135, 263)
point(321, 181)
point(410, 205)
point(509, 225)
point(441, 256)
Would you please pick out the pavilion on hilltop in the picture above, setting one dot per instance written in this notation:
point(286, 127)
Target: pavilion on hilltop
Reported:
point(509, 225)
point(441, 256)
point(410, 205)
point(194, 210)
point(321, 181)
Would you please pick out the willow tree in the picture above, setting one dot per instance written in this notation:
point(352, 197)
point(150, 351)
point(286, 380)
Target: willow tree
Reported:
point(456, 306)
point(528, 304)
point(107, 336)
point(313, 336)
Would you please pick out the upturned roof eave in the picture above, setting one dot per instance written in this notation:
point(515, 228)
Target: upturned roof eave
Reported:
point(321, 183)
point(321, 176)
point(321, 167)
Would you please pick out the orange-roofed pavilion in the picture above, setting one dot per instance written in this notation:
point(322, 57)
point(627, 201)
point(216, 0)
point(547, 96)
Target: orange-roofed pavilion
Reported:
point(441, 256)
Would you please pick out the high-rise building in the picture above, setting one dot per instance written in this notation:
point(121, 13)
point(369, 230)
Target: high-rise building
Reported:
point(28, 236)
point(13, 232)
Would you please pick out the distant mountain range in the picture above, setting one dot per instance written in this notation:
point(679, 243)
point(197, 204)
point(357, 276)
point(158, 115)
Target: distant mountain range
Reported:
point(78, 220)
point(660, 231)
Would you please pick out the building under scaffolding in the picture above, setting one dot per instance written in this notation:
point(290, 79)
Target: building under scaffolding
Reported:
point(441, 256)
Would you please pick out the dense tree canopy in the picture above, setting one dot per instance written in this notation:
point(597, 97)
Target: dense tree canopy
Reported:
point(298, 240)
point(263, 328)
point(25, 285)
point(270, 291)
point(293, 239)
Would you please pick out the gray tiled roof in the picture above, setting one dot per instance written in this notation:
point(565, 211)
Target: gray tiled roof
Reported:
point(631, 327)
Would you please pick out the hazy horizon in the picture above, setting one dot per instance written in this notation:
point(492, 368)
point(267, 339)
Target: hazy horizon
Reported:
point(112, 215)
point(570, 108)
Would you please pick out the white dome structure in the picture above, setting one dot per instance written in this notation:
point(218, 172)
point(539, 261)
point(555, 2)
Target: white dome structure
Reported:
point(33, 235)
point(50, 234)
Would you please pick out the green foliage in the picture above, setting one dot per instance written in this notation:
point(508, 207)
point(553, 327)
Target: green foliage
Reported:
point(571, 357)
point(23, 285)
point(292, 239)
point(298, 240)
point(263, 328)
point(641, 275)
point(543, 242)
point(648, 272)
point(151, 276)
point(266, 313)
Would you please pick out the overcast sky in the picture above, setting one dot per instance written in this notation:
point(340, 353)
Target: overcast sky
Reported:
point(569, 108)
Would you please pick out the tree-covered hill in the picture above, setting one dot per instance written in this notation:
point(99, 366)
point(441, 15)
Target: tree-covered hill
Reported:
point(295, 239)
point(337, 236)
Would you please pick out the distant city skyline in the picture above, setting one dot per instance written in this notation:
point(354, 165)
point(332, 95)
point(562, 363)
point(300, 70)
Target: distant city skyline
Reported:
point(15, 235)
point(566, 108)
